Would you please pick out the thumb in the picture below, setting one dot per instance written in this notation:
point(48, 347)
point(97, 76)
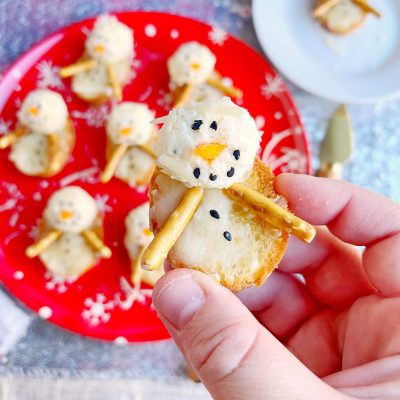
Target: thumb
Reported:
point(234, 356)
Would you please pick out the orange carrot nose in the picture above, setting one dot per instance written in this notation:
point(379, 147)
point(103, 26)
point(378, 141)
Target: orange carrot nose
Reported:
point(195, 66)
point(147, 232)
point(99, 48)
point(125, 131)
point(33, 110)
point(209, 151)
point(65, 214)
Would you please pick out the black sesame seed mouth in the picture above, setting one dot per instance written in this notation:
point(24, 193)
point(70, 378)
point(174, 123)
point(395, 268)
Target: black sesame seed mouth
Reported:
point(214, 214)
point(213, 177)
point(196, 124)
point(196, 173)
point(227, 236)
point(230, 173)
point(236, 154)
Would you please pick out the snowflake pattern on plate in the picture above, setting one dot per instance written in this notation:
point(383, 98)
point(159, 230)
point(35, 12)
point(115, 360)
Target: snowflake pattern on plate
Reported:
point(131, 294)
point(4, 126)
point(273, 86)
point(291, 160)
point(97, 310)
point(94, 116)
point(48, 76)
point(217, 35)
point(58, 284)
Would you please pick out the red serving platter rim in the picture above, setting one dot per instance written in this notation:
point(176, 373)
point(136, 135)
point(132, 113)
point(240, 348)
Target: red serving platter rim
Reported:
point(7, 81)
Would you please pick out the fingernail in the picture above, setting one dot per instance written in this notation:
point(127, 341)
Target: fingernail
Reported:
point(179, 300)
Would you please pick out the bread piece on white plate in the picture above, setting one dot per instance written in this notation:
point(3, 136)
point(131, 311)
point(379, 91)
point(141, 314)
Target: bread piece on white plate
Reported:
point(342, 18)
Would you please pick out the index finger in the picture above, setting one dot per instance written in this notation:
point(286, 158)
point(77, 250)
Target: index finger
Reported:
point(354, 215)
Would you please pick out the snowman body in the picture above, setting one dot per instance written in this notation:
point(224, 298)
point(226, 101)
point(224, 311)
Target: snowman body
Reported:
point(70, 210)
point(138, 236)
point(130, 124)
point(218, 142)
point(42, 113)
point(110, 44)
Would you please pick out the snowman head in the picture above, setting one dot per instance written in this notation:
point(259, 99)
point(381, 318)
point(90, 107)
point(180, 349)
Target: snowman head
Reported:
point(192, 63)
point(137, 225)
point(210, 144)
point(129, 123)
point(110, 41)
point(43, 111)
point(71, 210)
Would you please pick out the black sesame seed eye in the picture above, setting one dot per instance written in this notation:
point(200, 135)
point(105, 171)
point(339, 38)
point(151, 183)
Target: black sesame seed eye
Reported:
point(230, 173)
point(236, 154)
point(213, 177)
point(214, 214)
point(196, 173)
point(196, 124)
point(214, 125)
point(227, 236)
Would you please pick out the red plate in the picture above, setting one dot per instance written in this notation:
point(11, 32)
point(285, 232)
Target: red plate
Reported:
point(95, 304)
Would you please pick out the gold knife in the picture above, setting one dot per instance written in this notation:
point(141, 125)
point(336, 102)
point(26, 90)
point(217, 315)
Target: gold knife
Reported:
point(337, 145)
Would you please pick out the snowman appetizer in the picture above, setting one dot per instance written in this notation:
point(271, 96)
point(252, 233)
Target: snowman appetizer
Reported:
point(212, 202)
point(343, 16)
point(129, 153)
point(71, 232)
point(44, 136)
point(105, 66)
point(191, 66)
point(138, 236)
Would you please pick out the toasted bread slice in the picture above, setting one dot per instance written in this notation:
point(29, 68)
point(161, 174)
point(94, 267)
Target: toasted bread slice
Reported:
point(70, 256)
point(343, 17)
point(30, 154)
point(94, 86)
point(225, 239)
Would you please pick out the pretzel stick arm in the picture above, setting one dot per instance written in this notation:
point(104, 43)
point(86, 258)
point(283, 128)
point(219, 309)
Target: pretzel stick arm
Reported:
point(367, 7)
point(11, 137)
point(324, 7)
point(273, 213)
point(183, 95)
point(40, 246)
point(176, 223)
point(228, 90)
point(113, 162)
point(77, 68)
point(115, 84)
point(148, 149)
point(136, 275)
point(96, 243)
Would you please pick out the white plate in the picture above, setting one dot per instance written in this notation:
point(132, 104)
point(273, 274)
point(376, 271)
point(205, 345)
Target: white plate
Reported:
point(361, 67)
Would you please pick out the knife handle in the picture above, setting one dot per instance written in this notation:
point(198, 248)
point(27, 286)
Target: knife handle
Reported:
point(330, 170)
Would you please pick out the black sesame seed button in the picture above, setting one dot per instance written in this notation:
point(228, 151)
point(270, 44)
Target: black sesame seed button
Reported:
point(196, 173)
point(213, 177)
point(230, 173)
point(196, 124)
point(227, 236)
point(214, 125)
point(236, 154)
point(214, 214)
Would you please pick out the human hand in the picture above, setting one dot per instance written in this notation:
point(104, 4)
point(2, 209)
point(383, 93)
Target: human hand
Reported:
point(343, 324)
